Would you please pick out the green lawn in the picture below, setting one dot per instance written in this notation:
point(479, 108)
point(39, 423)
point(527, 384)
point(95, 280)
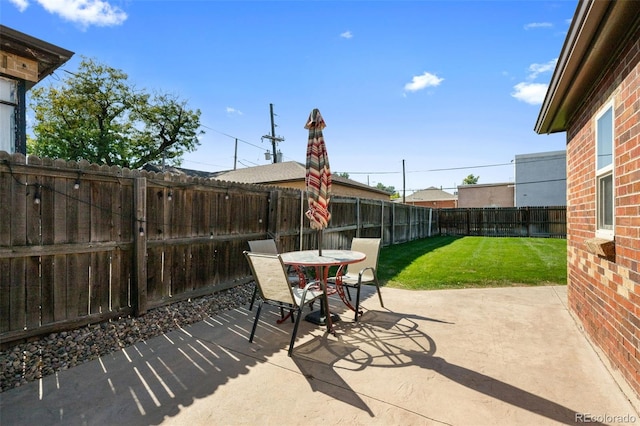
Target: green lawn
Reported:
point(462, 262)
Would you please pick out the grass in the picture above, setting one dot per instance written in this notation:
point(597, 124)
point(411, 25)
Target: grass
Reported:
point(463, 262)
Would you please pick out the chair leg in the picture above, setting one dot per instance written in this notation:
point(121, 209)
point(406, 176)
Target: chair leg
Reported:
point(253, 298)
point(358, 300)
point(255, 322)
point(378, 289)
point(295, 331)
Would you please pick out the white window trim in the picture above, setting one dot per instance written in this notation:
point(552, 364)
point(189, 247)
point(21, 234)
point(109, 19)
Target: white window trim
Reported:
point(7, 115)
point(604, 171)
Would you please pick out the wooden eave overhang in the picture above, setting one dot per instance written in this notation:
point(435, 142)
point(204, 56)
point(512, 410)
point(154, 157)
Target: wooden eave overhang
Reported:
point(48, 56)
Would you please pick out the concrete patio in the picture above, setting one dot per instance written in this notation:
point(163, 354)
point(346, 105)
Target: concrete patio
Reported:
point(505, 356)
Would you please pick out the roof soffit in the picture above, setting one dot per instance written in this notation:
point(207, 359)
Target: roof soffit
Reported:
point(596, 33)
point(48, 56)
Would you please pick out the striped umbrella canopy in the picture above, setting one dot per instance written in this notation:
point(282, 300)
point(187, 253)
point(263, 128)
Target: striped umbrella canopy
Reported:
point(318, 177)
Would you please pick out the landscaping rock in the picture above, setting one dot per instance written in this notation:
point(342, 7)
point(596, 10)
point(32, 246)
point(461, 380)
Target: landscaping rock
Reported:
point(26, 362)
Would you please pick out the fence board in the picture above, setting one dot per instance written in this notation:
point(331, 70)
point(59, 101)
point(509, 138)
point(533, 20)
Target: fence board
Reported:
point(17, 294)
point(60, 287)
point(47, 290)
point(81, 264)
point(99, 283)
point(6, 205)
point(32, 290)
point(156, 289)
point(178, 269)
point(123, 278)
point(62, 192)
point(5, 295)
point(18, 212)
point(157, 202)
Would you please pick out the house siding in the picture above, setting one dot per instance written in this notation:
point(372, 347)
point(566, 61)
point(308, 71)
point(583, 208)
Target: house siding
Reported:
point(541, 179)
point(604, 294)
point(435, 204)
point(489, 195)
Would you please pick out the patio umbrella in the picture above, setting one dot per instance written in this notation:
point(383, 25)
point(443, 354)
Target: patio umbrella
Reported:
point(318, 176)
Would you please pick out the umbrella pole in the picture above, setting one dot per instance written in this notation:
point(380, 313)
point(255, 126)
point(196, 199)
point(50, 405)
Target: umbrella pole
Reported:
point(320, 242)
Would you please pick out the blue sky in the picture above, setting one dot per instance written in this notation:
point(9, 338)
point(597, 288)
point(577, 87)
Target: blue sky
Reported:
point(451, 88)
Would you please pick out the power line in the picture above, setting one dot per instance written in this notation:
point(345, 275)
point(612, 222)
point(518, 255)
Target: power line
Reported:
point(451, 168)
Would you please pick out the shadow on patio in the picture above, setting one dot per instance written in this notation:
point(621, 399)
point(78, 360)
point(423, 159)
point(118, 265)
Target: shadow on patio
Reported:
point(485, 356)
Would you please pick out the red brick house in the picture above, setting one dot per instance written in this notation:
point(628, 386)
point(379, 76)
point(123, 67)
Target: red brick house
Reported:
point(594, 96)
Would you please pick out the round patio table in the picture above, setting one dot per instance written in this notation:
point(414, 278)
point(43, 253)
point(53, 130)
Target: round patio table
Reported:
point(322, 263)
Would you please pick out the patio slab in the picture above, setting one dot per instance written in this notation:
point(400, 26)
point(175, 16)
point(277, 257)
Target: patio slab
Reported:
point(454, 357)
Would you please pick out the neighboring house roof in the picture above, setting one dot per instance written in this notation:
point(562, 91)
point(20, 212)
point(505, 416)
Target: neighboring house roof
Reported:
point(269, 173)
point(48, 56)
point(597, 31)
point(430, 194)
point(288, 171)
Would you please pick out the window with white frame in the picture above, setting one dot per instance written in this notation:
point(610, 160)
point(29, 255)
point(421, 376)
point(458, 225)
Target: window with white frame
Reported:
point(604, 173)
point(8, 105)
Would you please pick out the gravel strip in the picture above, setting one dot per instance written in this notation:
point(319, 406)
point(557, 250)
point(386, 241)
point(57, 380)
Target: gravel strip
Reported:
point(31, 361)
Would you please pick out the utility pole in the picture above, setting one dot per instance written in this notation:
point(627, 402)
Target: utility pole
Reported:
point(274, 139)
point(235, 155)
point(404, 199)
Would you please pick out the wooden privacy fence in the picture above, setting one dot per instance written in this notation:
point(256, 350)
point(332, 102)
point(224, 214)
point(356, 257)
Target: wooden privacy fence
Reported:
point(81, 243)
point(550, 222)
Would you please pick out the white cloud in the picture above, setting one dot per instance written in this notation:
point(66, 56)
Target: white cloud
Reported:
point(346, 34)
point(537, 69)
point(538, 25)
point(531, 93)
point(231, 110)
point(419, 82)
point(20, 4)
point(84, 12)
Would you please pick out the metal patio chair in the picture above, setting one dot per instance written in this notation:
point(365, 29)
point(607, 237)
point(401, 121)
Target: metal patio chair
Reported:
point(360, 273)
point(274, 287)
point(268, 246)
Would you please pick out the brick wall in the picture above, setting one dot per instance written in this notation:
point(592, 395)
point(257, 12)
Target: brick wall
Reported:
point(605, 294)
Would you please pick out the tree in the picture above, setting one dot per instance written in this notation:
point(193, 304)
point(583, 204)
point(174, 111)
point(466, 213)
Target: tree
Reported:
point(390, 189)
point(98, 116)
point(343, 174)
point(470, 180)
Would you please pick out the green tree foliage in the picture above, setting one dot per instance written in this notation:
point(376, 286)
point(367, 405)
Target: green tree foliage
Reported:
point(391, 189)
point(386, 188)
point(470, 180)
point(97, 115)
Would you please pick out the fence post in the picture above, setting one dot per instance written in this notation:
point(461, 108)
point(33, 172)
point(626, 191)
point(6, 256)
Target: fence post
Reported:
point(382, 221)
point(469, 222)
point(358, 217)
point(140, 229)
